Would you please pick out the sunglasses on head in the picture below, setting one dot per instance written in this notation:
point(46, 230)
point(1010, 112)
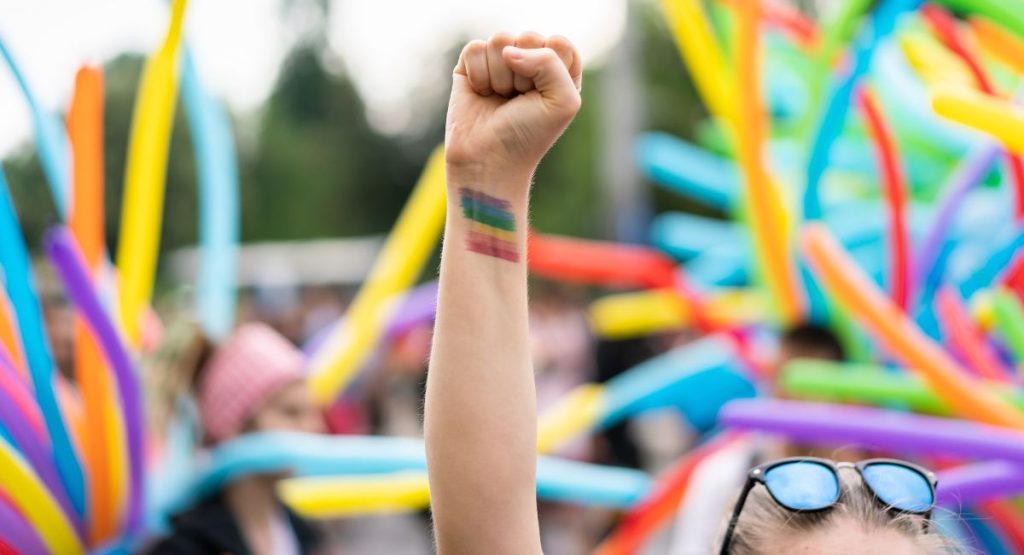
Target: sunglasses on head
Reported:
point(808, 484)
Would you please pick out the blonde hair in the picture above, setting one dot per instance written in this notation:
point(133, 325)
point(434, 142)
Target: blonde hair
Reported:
point(763, 522)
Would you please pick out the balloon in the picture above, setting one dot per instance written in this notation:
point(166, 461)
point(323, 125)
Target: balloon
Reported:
point(688, 170)
point(697, 378)
point(663, 500)
point(577, 411)
point(934, 63)
point(947, 28)
point(50, 138)
point(827, 424)
point(16, 531)
point(867, 384)
point(34, 448)
point(702, 56)
point(852, 290)
point(67, 260)
point(399, 263)
point(416, 307)
point(1003, 13)
point(968, 174)
point(599, 263)
point(988, 114)
point(21, 399)
point(977, 482)
point(16, 266)
point(10, 342)
point(145, 174)
point(895, 187)
point(218, 204)
point(968, 341)
point(345, 496)
point(85, 131)
point(1004, 516)
point(767, 223)
point(1009, 316)
point(684, 235)
point(589, 485)
point(882, 21)
point(637, 314)
point(997, 263)
point(315, 455)
point(1001, 44)
point(30, 498)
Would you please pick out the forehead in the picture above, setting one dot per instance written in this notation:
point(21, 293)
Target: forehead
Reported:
point(847, 537)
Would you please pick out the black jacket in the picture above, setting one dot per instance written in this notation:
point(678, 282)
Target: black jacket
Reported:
point(210, 528)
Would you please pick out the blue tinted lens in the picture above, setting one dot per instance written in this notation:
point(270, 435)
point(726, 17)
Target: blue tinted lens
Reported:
point(900, 487)
point(803, 486)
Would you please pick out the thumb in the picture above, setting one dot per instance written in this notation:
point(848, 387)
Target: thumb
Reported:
point(548, 73)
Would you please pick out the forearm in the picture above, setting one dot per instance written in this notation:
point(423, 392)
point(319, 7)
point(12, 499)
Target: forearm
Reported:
point(480, 419)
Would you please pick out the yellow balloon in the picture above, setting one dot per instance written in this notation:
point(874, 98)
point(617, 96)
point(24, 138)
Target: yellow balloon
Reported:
point(30, 497)
point(986, 113)
point(145, 176)
point(627, 315)
point(637, 314)
point(700, 52)
point(573, 414)
point(933, 62)
point(334, 497)
point(400, 262)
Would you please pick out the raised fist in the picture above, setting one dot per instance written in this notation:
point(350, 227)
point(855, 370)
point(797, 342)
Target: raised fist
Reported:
point(511, 99)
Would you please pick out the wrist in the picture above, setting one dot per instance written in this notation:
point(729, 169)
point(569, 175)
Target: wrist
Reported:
point(507, 178)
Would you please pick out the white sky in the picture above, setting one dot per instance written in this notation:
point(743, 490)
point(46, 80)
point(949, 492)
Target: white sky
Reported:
point(389, 47)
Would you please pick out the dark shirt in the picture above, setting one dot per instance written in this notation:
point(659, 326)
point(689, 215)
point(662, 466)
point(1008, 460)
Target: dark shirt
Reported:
point(210, 528)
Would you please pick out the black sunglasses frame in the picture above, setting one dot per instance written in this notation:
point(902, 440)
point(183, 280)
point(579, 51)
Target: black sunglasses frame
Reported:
point(757, 476)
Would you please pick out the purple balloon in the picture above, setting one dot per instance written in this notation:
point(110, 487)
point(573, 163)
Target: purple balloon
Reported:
point(418, 306)
point(979, 482)
point(967, 175)
point(878, 428)
point(67, 259)
point(35, 451)
point(17, 532)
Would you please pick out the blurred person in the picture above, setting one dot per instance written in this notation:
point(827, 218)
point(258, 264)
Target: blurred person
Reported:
point(254, 382)
point(511, 99)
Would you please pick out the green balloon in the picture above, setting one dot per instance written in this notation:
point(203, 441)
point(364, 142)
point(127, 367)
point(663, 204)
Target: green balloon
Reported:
point(867, 384)
point(1009, 316)
point(1008, 13)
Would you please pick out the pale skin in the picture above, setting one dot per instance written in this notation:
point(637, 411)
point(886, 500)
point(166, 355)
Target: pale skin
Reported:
point(512, 96)
point(846, 537)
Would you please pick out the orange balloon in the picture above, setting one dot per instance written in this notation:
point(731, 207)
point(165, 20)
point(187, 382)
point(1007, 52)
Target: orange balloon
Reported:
point(1000, 43)
point(85, 130)
point(858, 295)
point(763, 202)
point(10, 338)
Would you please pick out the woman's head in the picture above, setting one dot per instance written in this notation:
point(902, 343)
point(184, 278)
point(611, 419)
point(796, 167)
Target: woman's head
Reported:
point(857, 524)
point(255, 381)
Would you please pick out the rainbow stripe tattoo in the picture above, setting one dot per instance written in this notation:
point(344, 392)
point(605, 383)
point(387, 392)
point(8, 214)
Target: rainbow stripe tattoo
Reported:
point(493, 225)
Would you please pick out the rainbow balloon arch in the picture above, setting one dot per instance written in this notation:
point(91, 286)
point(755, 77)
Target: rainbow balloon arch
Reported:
point(871, 171)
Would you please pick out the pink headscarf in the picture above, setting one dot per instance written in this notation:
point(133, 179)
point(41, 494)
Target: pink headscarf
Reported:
point(253, 364)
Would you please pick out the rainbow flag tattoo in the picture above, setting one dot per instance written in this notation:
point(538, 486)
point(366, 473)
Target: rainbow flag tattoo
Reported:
point(493, 226)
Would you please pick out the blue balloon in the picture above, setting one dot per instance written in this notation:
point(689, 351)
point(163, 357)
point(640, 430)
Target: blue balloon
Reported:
point(688, 170)
point(320, 455)
point(697, 379)
point(218, 205)
point(881, 23)
point(684, 236)
point(17, 274)
point(51, 139)
point(590, 485)
point(997, 261)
